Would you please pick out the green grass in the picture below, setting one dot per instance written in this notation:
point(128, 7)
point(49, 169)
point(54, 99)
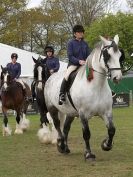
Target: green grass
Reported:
point(24, 156)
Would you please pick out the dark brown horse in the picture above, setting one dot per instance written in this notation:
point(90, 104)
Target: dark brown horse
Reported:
point(12, 97)
point(41, 75)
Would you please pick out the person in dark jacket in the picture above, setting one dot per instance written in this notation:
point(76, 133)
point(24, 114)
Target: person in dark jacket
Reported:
point(51, 61)
point(15, 69)
point(77, 51)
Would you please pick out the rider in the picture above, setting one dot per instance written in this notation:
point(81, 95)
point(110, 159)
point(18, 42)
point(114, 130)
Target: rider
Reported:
point(77, 51)
point(15, 70)
point(51, 62)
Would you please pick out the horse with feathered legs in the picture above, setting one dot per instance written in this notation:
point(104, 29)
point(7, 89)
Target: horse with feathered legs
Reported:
point(90, 97)
point(47, 132)
point(13, 97)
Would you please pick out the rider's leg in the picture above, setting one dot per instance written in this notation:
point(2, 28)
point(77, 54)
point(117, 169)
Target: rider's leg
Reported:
point(62, 95)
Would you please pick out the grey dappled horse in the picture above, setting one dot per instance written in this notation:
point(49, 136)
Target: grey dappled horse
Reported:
point(90, 98)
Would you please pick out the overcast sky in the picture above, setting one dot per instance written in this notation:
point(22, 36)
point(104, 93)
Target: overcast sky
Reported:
point(122, 3)
point(34, 3)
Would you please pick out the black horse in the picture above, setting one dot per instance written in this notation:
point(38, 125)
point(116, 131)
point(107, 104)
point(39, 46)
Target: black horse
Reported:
point(41, 74)
point(13, 97)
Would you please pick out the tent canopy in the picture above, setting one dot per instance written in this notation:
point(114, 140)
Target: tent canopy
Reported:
point(24, 58)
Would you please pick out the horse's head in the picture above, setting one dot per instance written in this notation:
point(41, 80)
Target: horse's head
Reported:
point(112, 57)
point(6, 78)
point(41, 72)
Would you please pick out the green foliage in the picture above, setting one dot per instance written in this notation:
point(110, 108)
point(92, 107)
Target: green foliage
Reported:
point(110, 25)
point(52, 22)
point(10, 19)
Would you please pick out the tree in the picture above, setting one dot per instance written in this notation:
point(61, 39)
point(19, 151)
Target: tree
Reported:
point(110, 25)
point(48, 30)
point(63, 15)
point(10, 12)
point(83, 11)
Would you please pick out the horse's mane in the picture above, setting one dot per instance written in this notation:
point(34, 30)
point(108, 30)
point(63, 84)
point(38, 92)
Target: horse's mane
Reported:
point(97, 48)
point(97, 51)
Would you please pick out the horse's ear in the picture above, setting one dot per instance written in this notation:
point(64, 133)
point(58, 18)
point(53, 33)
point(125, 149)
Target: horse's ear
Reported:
point(104, 41)
point(35, 61)
point(1, 67)
point(116, 39)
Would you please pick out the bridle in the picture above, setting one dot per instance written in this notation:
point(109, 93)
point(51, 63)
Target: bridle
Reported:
point(36, 81)
point(106, 58)
point(6, 82)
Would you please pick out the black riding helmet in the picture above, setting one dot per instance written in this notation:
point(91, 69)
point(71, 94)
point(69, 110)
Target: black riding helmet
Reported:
point(49, 49)
point(14, 55)
point(78, 28)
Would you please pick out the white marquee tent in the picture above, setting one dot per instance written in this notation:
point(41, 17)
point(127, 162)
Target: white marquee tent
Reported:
point(24, 57)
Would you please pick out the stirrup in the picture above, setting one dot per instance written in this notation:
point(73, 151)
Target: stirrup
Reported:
point(62, 98)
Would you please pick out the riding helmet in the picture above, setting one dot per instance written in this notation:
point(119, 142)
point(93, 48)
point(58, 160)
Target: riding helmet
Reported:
point(49, 49)
point(78, 28)
point(14, 55)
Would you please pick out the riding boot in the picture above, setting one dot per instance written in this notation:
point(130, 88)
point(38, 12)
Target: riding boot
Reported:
point(63, 89)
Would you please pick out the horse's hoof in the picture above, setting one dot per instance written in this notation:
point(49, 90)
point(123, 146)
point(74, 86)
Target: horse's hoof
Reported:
point(89, 156)
point(7, 134)
point(105, 146)
point(61, 146)
point(44, 135)
point(7, 131)
point(67, 150)
point(54, 141)
point(18, 132)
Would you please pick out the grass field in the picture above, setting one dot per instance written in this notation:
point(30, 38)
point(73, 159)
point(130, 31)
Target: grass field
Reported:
point(24, 156)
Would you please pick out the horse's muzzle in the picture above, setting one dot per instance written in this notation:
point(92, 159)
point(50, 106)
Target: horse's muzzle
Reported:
point(4, 89)
point(116, 79)
point(116, 76)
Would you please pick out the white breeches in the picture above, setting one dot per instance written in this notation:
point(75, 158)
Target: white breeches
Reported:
point(70, 69)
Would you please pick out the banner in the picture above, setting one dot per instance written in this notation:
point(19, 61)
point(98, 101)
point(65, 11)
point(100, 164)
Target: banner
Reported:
point(121, 100)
